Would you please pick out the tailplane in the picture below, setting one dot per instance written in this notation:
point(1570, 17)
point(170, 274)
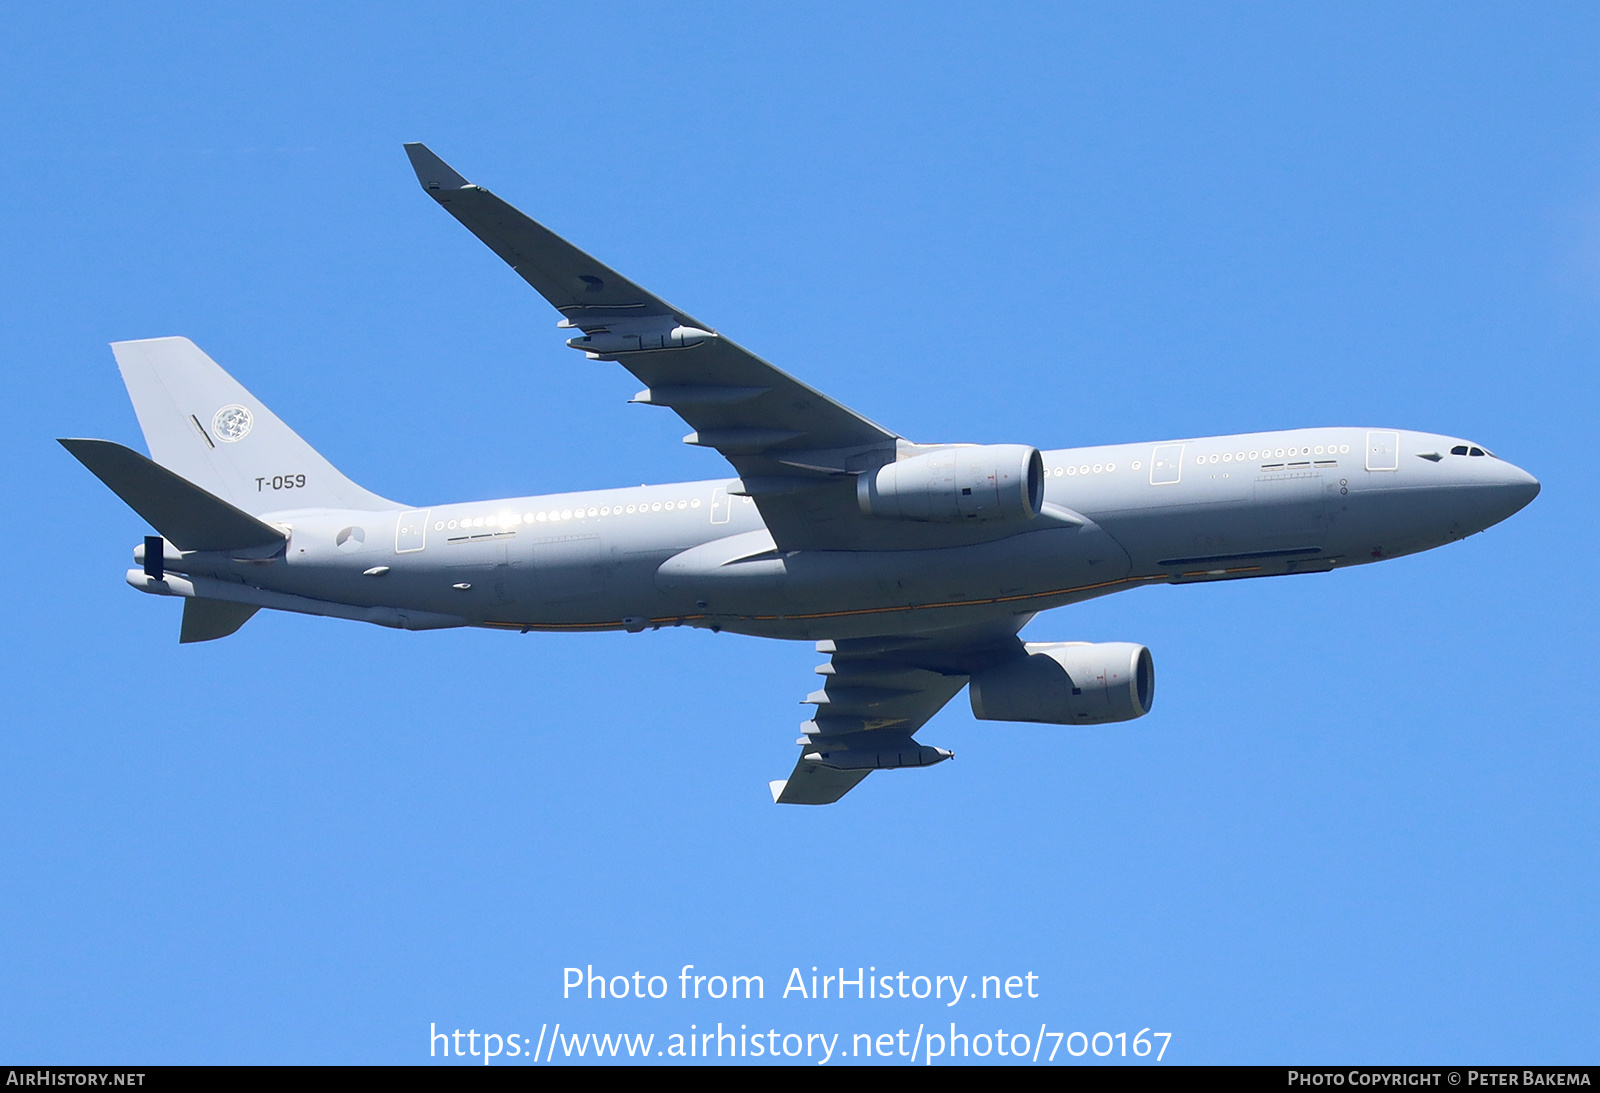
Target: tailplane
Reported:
point(200, 423)
point(189, 518)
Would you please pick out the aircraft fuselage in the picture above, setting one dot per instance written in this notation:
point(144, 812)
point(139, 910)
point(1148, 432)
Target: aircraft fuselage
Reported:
point(1118, 517)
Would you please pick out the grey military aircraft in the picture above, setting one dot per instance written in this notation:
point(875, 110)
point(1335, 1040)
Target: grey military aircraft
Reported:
point(912, 566)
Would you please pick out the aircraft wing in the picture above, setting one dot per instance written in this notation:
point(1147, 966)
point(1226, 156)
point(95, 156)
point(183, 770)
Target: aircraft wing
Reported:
point(795, 449)
point(877, 693)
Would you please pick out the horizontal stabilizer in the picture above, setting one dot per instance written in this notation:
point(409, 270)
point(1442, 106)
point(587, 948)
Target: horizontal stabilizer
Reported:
point(208, 620)
point(186, 516)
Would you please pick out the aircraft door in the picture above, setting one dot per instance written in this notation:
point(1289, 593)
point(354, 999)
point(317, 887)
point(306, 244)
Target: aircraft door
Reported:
point(1166, 465)
point(1383, 451)
point(411, 532)
point(721, 506)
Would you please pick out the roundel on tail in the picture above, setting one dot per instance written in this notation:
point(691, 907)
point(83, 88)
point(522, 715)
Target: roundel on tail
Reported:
point(232, 423)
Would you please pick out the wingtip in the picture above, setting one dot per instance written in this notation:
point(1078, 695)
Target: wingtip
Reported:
point(777, 788)
point(432, 172)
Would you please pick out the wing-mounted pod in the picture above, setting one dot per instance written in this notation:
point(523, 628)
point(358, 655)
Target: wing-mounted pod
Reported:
point(866, 752)
point(609, 338)
point(1067, 683)
point(978, 482)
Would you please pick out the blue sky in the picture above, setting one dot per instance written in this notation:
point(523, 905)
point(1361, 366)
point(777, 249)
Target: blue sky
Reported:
point(1360, 824)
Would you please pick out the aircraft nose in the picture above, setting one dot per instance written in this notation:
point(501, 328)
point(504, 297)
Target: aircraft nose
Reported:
point(1523, 488)
point(1508, 492)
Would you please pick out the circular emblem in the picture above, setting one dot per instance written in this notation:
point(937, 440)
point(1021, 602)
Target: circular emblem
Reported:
point(232, 423)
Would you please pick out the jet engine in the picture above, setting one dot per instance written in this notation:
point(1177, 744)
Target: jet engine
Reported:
point(963, 482)
point(1067, 683)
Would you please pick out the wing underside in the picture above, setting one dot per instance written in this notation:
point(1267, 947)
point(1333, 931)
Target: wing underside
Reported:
point(878, 692)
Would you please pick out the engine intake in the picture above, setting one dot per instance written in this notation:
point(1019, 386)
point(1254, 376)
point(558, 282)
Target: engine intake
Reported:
point(964, 482)
point(1067, 683)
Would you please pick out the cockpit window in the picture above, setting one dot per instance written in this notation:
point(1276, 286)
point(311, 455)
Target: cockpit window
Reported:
point(1476, 451)
point(1459, 449)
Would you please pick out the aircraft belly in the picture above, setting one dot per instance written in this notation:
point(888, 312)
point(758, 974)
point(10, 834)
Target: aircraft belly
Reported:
point(1152, 535)
point(1388, 521)
point(879, 589)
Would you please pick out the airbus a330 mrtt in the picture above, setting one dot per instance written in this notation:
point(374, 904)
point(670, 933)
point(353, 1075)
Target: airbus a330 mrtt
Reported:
point(913, 566)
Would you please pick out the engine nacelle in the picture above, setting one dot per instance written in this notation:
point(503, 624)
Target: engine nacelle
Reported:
point(965, 482)
point(1067, 683)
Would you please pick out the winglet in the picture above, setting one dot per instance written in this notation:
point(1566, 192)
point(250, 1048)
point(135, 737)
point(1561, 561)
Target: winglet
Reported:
point(777, 788)
point(434, 173)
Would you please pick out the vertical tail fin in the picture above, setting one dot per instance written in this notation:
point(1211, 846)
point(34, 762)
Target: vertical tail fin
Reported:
point(208, 620)
point(200, 423)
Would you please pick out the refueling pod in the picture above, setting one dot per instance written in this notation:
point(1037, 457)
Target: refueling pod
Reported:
point(620, 336)
point(961, 482)
point(903, 752)
point(1067, 683)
